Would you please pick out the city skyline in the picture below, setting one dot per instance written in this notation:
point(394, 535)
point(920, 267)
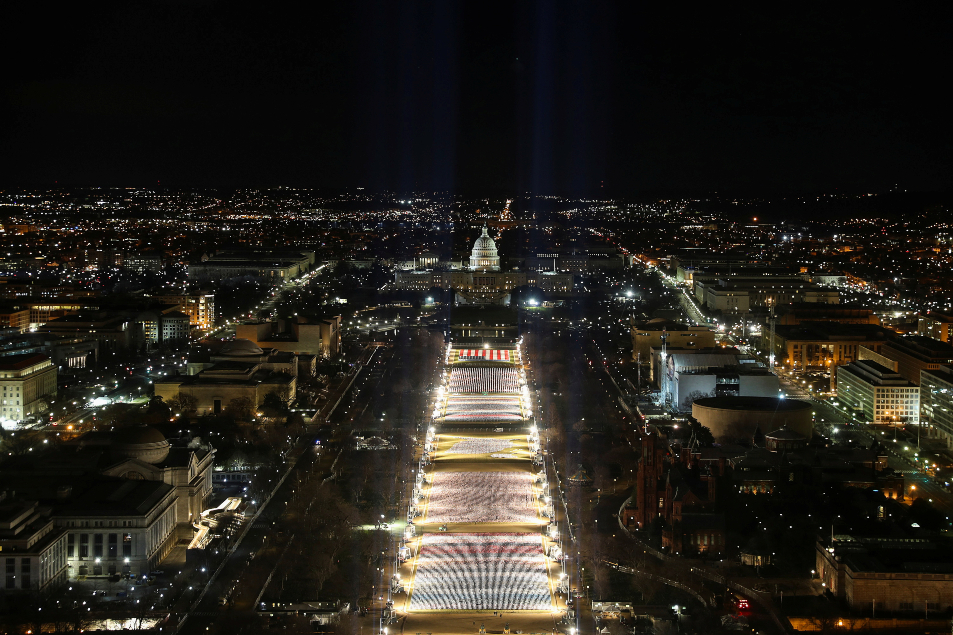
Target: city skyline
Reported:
point(569, 318)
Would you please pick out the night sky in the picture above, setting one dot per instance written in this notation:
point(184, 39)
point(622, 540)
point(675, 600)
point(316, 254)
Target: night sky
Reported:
point(564, 98)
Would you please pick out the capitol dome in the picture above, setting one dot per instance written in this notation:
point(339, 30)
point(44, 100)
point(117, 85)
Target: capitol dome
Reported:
point(139, 442)
point(484, 254)
point(240, 346)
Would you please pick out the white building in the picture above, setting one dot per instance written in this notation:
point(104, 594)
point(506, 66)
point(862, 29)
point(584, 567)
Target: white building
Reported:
point(732, 381)
point(25, 380)
point(936, 399)
point(200, 307)
point(118, 526)
point(32, 548)
point(883, 395)
point(143, 453)
point(483, 256)
point(123, 499)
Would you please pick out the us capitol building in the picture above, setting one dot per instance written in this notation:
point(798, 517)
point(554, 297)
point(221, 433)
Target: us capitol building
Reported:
point(480, 281)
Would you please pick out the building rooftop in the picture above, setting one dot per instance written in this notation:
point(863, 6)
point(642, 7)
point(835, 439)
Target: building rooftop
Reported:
point(785, 434)
point(116, 496)
point(924, 346)
point(874, 373)
point(892, 554)
point(834, 331)
point(727, 371)
point(753, 403)
point(240, 346)
point(19, 362)
point(941, 371)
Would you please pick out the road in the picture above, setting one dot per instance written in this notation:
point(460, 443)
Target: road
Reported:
point(260, 546)
point(372, 394)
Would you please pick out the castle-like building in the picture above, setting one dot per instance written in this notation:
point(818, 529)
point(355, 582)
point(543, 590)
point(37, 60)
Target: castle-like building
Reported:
point(679, 492)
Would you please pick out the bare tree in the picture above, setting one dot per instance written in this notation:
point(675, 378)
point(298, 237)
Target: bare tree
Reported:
point(694, 396)
point(18, 443)
point(184, 403)
point(241, 408)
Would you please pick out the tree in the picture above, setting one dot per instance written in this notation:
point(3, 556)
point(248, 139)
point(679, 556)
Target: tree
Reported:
point(693, 396)
point(184, 403)
point(379, 275)
point(18, 443)
point(295, 423)
point(158, 408)
point(341, 269)
point(241, 408)
point(276, 400)
point(926, 515)
point(701, 435)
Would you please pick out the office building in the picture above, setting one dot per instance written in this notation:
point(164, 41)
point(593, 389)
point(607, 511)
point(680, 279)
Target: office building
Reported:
point(32, 547)
point(275, 266)
point(939, 326)
point(15, 317)
point(916, 353)
point(936, 400)
point(883, 575)
point(200, 307)
point(823, 345)
point(878, 394)
point(738, 294)
point(113, 332)
point(681, 336)
point(26, 381)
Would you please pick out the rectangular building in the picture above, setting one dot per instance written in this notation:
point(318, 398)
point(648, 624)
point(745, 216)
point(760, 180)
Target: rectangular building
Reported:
point(916, 353)
point(25, 380)
point(32, 548)
point(648, 335)
point(275, 265)
point(936, 400)
point(883, 395)
point(880, 574)
point(113, 332)
point(728, 381)
point(736, 294)
point(200, 307)
point(321, 337)
point(15, 317)
point(118, 526)
point(824, 344)
point(936, 325)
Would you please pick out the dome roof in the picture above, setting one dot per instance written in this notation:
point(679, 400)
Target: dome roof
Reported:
point(240, 346)
point(139, 442)
point(785, 434)
point(484, 244)
point(766, 404)
point(484, 255)
point(137, 434)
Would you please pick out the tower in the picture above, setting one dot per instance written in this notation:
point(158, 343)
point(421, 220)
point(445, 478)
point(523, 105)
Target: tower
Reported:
point(651, 467)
